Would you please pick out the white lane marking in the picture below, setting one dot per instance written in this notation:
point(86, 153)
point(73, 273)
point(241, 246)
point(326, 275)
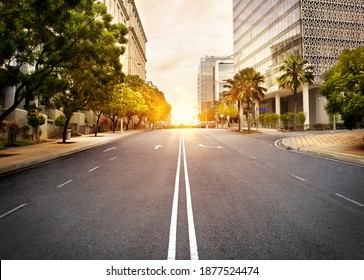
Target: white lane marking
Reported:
point(61, 185)
point(211, 147)
point(113, 158)
point(13, 210)
point(241, 152)
point(157, 147)
point(271, 165)
point(113, 148)
point(252, 157)
point(173, 227)
point(191, 224)
point(353, 201)
point(299, 178)
point(93, 169)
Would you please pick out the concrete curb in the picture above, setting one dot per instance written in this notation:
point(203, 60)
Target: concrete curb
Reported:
point(287, 144)
point(29, 163)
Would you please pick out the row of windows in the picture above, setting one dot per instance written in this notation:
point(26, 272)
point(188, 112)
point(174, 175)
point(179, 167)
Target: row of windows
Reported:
point(264, 16)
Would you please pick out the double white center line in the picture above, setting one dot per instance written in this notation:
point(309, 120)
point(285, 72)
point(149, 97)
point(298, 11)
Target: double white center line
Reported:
point(191, 224)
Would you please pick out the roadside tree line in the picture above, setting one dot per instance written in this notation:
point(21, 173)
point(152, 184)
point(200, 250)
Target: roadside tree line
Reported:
point(66, 54)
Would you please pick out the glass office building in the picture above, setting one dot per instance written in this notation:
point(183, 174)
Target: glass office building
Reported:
point(267, 31)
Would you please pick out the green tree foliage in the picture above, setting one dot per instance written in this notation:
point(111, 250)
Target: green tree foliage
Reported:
point(344, 87)
point(32, 44)
point(296, 73)
point(132, 102)
point(246, 86)
point(159, 108)
point(87, 77)
point(35, 120)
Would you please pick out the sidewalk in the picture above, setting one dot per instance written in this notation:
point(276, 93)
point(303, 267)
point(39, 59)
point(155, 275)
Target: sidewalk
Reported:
point(15, 158)
point(346, 146)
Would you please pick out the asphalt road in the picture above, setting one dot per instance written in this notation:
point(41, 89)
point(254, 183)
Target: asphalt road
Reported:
point(184, 194)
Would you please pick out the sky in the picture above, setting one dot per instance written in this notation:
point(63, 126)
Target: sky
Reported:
point(180, 33)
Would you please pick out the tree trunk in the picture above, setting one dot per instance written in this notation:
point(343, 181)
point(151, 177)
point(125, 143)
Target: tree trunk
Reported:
point(248, 116)
point(127, 124)
point(241, 114)
point(97, 124)
point(295, 108)
point(65, 130)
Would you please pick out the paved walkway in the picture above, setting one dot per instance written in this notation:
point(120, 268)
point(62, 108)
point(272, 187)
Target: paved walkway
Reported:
point(346, 146)
point(21, 157)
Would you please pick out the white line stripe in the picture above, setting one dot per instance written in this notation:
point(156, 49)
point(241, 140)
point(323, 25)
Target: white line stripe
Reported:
point(13, 210)
point(299, 178)
point(241, 152)
point(353, 201)
point(271, 165)
point(93, 169)
point(173, 227)
point(113, 148)
point(191, 224)
point(60, 186)
point(252, 157)
point(113, 158)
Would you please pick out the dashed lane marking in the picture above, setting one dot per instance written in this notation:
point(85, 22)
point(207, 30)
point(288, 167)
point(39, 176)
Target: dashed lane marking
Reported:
point(13, 210)
point(61, 185)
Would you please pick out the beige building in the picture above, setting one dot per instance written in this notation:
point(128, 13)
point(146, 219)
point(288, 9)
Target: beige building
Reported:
point(125, 12)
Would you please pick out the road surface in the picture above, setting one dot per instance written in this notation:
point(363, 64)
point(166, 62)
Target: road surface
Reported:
point(184, 194)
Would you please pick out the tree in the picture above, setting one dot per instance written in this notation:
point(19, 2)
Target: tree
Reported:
point(132, 103)
point(296, 73)
point(245, 87)
point(32, 44)
point(35, 120)
point(83, 80)
point(344, 87)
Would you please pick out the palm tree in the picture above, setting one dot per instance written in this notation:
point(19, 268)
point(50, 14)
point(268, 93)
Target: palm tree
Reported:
point(245, 87)
point(296, 73)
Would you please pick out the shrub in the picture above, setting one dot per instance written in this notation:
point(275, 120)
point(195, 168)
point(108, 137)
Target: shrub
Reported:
point(13, 131)
point(35, 120)
point(60, 121)
point(25, 129)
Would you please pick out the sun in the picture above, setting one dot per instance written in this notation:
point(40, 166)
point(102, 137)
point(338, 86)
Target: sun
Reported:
point(183, 114)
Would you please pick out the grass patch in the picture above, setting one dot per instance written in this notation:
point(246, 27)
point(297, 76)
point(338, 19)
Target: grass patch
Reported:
point(20, 143)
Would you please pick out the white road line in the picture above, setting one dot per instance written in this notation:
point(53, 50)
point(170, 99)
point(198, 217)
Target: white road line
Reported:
point(13, 210)
point(252, 157)
point(93, 169)
point(241, 152)
point(60, 186)
point(191, 224)
point(157, 147)
point(113, 148)
point(299, 178)
point(271, 165)
point(348, 199)
point(173, 227)
point(113, 158)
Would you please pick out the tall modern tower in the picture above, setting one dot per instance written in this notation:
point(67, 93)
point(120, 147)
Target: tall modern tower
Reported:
point(212, 72)
point(267, 31)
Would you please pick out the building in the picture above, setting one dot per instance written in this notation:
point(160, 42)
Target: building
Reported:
point(223, 70)
point(212, 72)
point(266, 32)
point(125, 12)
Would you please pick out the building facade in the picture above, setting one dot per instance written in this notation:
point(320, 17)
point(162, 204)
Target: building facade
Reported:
point(266, 32)
point(125, 12)
point(212, 72)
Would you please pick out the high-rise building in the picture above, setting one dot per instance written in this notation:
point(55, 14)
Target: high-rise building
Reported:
point(213, 70)
point(266, 32)
point(125, 12)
